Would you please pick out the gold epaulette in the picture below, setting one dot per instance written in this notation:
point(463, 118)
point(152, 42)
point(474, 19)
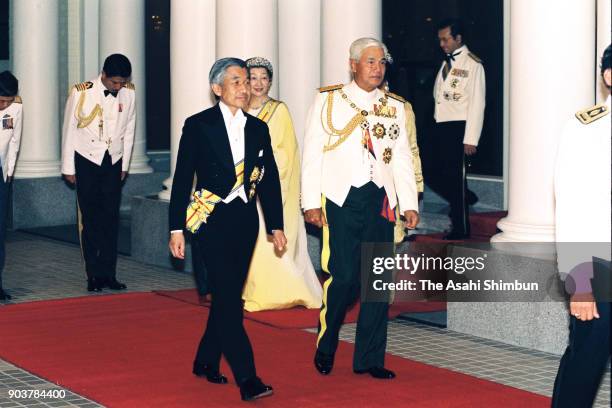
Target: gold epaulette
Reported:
point(474, 57)
point(17, 99)
point(396, 97)
point(593, 113)
point(330, 88)
point(83, 86)
point(130, 85)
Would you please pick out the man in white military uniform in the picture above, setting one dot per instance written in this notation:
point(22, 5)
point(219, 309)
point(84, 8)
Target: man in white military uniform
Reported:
point(459, 94)
point(98, 136)
point(582, 228)
point(357, 168)
point(10, 138)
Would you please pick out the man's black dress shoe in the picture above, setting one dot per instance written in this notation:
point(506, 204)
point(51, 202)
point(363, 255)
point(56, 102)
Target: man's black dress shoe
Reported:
point(253, 389)
point(94, 285)
point(456, 236)
point(4, 295)
point(471, 197)
point(377, 372)
point(324, 362)
point(114, 284)
point(212, 374)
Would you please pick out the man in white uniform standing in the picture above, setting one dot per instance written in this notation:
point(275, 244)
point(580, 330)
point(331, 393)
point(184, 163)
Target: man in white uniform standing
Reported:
point(98, 137)
point(10, 138)
point(356, 169)
point(582, 230)
point(459, 94)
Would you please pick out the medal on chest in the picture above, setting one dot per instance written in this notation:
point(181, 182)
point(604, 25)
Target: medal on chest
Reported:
point(384, 110)
point(7, 122)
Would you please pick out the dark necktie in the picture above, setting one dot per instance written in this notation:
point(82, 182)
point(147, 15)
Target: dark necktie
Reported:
point(448, 64)
point(107, 92)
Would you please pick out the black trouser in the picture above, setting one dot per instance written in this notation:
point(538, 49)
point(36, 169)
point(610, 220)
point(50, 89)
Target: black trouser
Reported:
point(584, 362)
point(445, 171)
point(357, 221)
point(227, 242)
point(99, 194)
point(4, 195)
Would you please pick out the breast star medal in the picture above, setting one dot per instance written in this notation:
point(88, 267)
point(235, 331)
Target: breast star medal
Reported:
point(379, 130)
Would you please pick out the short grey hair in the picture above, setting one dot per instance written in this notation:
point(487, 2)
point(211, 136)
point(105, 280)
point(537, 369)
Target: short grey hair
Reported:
point(219, 68)
point(361, 44)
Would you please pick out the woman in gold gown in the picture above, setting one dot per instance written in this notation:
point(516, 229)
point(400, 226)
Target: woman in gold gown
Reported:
point(280, 281)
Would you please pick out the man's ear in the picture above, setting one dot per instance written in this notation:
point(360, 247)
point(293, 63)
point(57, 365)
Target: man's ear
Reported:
point(217, 89)
point(353, 65)
point(607, 76)
point(459, 39)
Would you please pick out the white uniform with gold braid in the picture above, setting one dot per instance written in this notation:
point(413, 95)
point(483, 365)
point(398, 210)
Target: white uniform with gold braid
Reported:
point(95, 123)
point(334, 157)
point(582, 187)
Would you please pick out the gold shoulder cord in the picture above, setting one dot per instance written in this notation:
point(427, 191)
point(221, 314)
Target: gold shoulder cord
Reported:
point(84, 121)
point(343, 134)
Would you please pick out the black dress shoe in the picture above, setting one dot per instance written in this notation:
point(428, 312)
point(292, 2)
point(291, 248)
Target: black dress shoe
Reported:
point(212, 374)
point(253, 389)
point(94, 285)
point(471, 197)
point(4, 295)
point(456, 236)
point(114, 284)
point(377, 372)
point(323, 362)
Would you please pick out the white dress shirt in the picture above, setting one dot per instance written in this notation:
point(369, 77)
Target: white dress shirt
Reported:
point(234, 124)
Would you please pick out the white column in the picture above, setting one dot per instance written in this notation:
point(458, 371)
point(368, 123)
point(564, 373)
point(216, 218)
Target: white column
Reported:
point(299, 45)
point(344, 21)
point(90, 31)
point(192, 53)
point(604, 9)
point(249, 29)
point(544, 95)
point(122, 30)
point(35, 64)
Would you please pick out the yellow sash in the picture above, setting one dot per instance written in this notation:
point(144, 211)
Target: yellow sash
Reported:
point(268, 110)
point(203, 202)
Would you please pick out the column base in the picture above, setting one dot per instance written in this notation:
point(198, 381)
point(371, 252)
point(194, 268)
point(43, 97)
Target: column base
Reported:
point(140, 165)
point(167, 192)
point(518, 232)
point(37, 169)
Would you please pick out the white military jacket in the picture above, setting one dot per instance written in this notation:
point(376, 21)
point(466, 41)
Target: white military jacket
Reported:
point(94, 123)
point(462, 95)
point(582, 188)
point(331, 171)
point(10, 136)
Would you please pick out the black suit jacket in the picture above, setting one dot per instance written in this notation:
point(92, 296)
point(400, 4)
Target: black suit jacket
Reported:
point(204, 150)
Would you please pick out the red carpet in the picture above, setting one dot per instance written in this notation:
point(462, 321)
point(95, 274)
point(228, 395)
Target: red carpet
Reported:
point(136, 350)
point(302, 318)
